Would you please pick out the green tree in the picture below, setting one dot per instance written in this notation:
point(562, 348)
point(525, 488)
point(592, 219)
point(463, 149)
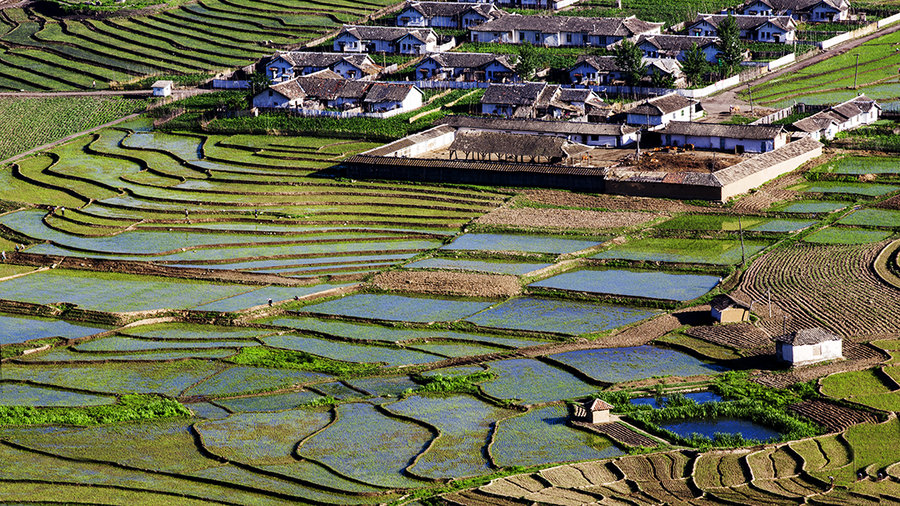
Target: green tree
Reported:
point(528, 62)
point(730, 46)
point(629, 59)
point(694, 65)
point(258, 82)
point(662, 80)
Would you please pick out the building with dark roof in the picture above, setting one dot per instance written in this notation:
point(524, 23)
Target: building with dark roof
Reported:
point(592, 411)
point(754, 28)
point(675, 46)
point(661, 110)
point(857, 111)
point(447, 14)
point(800, 10)
point(593, 69)
point(591, 134)
point(287, 65)
point(386, 39)
point(562, 31)
point(726, 309)
point(722, 137)
point(536, 100)
point(485, 67)
point(311, 93)
point(808, 346)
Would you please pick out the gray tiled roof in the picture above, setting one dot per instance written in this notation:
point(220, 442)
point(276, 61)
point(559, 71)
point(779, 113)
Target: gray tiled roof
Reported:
point(724, 301)
point(748, 22)
point(676, 42)
point(623, 27)
point(763, 161)
point(758, 132)
point(383, 92)
point(514, 94)
point(451, 9)
point(601, 63)
point(390, 33)
point(662, 105)
point(315, 59)
point(469, 60)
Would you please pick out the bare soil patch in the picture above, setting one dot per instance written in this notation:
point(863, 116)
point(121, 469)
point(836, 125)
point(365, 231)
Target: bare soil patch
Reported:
point(449, 283)
point(891, 203)
point(564, 218)
point(743, 336)
point(615, 202)
point(688, 161)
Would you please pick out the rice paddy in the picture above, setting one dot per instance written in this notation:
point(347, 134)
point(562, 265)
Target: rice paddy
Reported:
point(559, 316)
point(649, 284)
point(614, 365)
point(699, 251)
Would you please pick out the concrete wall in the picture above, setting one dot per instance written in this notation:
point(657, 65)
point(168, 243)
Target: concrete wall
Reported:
point(758, 179)
point(809, 354)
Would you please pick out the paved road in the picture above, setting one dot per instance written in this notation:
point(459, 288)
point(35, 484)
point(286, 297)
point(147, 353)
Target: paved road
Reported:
point(717, 104)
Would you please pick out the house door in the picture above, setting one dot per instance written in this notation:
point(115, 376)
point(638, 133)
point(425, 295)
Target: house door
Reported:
point(777, 37)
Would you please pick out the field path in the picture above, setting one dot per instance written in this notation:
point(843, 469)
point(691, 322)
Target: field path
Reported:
point(721, 103)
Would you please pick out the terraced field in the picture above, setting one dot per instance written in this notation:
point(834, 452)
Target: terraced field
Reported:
point(828, 284)
point(831, 80)
point(40, 53)
point(799, 472)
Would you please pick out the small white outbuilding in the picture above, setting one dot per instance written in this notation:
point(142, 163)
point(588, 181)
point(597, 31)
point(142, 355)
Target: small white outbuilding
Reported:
point(593, 411)
point(808, 346)
point(162, 88)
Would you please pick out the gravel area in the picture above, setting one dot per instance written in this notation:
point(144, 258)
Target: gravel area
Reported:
point(449, 283)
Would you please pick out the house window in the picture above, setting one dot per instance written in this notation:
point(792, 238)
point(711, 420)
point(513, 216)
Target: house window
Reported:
point(537, 37)
point(270, 93)
point(569, 38)
point(682, 113)
point(817, 350)
point(762, 146)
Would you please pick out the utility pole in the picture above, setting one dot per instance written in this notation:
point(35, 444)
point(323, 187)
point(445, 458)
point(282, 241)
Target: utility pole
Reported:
point(750, 91)
point(769, 296)
point(856, 74)
point(743, 254)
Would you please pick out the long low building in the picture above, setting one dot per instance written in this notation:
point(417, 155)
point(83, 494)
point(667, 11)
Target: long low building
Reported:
point(589, 134)
point(465, 155)
point(722, 137)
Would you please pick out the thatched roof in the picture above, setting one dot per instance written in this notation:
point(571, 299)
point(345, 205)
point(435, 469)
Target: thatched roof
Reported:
point(723, 302)
point(505, 144)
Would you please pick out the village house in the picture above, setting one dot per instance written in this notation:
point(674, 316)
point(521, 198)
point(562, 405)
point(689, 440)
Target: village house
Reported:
point(808, 346)
point(668, 67)
point(855, 112)
point(675, 46)
point(389, 39)
point(285, 66)
point(727, 309)
point(162, 88)
point(597, 70)
point(801, 10)
point(485, 67)
point(528, 4)
point(537, 100)
point(661, 110)
point(754, 28)
point(562, 31)
point(593, 69)
point(447, 14)
point(722, 137)
point(590, 134)
point(593, 411)
point(320, 93)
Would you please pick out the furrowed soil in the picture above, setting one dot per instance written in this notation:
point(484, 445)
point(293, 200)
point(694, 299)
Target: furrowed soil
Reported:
point(563, 218)
point(448, 283)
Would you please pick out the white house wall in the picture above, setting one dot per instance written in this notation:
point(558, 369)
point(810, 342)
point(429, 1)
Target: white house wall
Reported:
point(271, 99)
point(280, 70)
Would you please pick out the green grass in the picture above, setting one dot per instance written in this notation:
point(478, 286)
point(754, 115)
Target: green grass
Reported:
point(290, 359)
point(728, 223)
point(848, 384)
point(878, 61)
point(879, 218)
point(844, 235)
point(130, 407)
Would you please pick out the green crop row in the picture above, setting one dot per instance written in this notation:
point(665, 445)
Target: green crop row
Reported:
point(130, 407)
